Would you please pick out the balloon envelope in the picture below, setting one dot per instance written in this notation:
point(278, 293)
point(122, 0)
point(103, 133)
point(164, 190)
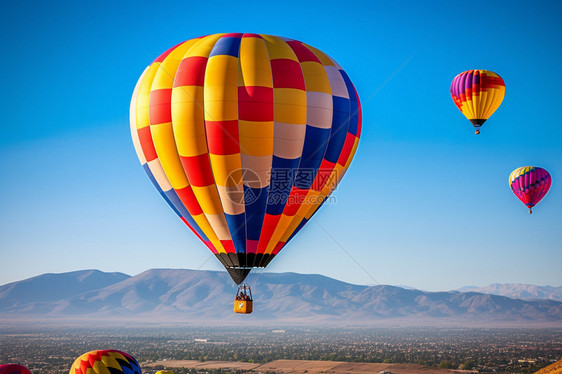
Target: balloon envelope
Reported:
point(244, 136)
point(105, 361)
point(530, 184)
point(477, 94)
point(14, 369)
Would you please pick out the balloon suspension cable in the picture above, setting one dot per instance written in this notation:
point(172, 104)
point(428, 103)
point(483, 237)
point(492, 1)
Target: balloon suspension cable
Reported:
point(244, 290)
point(259, 274)
point(365, 270)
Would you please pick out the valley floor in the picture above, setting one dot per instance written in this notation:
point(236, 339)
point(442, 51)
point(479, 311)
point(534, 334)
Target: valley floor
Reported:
point(306, 366)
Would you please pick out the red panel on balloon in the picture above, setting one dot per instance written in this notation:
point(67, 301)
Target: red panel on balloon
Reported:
point(198, 170)
point(222, 137)
point(159, 107)
point(189, 200)
point(191, 72)
point(287, 74)
point(255, 103)
point(145, 139)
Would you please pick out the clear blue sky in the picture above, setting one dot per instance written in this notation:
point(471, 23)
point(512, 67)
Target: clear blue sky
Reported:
point(426, 202)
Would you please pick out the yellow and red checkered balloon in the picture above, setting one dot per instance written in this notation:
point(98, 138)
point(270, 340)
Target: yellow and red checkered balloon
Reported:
point(245, 136)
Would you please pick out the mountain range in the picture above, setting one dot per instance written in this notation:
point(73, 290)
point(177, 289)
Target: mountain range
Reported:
point(518, 291)
point(170, 295)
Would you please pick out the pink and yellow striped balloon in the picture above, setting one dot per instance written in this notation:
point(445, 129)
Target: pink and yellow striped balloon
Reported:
point(530, 184)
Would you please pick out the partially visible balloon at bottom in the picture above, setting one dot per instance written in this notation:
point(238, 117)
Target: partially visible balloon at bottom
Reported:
point(165, 372)
point(105, 361)
point(14, 369)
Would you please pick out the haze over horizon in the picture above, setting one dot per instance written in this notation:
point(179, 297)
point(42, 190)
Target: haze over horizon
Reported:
point(425, 203)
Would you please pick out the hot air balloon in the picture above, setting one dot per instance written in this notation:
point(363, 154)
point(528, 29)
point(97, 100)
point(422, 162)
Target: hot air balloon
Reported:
point(477, 94)
point(244, 136)
point(13, 369)
point(105, 361)
point(530, 184)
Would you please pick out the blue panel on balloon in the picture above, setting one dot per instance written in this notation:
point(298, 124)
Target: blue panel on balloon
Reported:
point(354, 105)
point(282, 176)
point(226, 46)
point(237, 227)
point(256, 202)
point(315, 142)
point(340, 124)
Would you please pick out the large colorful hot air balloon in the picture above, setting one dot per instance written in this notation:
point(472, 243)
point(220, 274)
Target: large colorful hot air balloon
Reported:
point(477, 93)
point(13, 369)
point(530, 184)
point(244, 136)
point(105, 361)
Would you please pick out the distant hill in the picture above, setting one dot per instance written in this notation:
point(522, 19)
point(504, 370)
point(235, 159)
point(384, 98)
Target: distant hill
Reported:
point(30, 293)
point(519, 291)
point(207, 296)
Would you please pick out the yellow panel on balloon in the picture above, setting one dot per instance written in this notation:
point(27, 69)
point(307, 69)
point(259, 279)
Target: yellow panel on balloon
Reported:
point(255, 68)
point(143, 96)
point(289, 105)
point(203, 46)
point(167, 70)
point(164, 142)
point(208, 198)
point(277, 48)
point(315, 77)
point(227, 169)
